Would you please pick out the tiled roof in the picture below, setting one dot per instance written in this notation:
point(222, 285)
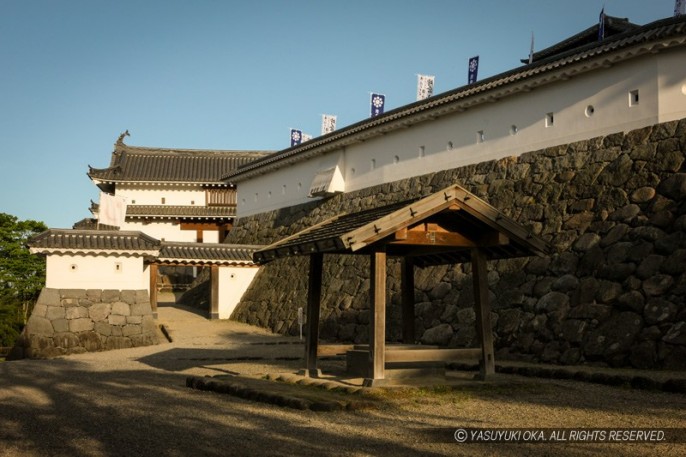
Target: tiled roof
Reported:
point(653, 37)
point(62, 240)
point(613, 26)
point(91, 223)
point(474, 221)
point(185, 212)
point(138, 164)
point(207, 253)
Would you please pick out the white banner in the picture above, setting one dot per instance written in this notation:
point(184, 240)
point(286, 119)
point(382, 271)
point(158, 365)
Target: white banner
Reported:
point(328, 123)
point(425, 86)
point(306, 137)
point(112, 210)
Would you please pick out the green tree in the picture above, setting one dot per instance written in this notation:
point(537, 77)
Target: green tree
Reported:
point(22, 275)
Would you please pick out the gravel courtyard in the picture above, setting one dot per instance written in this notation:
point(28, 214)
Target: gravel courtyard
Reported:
point(134, 402)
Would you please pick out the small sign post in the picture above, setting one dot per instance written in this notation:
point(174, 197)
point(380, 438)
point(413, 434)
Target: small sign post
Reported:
point(301, 321)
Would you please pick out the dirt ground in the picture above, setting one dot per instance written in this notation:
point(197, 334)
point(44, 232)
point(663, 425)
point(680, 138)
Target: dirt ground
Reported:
point(135, 402)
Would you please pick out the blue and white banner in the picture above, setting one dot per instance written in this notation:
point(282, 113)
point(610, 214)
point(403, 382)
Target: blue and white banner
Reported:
point(473, 70)
point(377, 104)
point(328, 123)
point(425, 86)
point(601, 25)
point(679, 8)
point(296, 137)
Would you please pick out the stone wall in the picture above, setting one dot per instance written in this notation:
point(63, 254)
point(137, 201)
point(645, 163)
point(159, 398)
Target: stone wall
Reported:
point(613, 291)
point(73, 321)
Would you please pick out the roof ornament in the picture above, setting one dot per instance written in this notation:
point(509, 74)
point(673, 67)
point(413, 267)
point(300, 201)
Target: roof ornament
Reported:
point(120, 140)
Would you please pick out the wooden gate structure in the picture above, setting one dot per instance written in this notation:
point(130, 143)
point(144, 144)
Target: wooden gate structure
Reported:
point(451, 226)
point(214, 255)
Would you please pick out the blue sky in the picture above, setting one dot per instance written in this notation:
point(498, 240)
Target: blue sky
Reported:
point(233, 74)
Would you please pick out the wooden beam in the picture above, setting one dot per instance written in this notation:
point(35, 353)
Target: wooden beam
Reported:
point(214, 292)
point(407, 298)
point(327, 350)
point(153, 288)
point(314, 296)
point(432, 355)
point(482, 308)
point(434, 238)
point(377, 324)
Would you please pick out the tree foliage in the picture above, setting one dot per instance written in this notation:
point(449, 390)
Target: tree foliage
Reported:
point(22, 274)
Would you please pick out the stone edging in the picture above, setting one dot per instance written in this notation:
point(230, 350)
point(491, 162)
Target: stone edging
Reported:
point(265, 394)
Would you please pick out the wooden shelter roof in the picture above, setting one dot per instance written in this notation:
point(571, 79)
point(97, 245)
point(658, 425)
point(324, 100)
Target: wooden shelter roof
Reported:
point(439, 229)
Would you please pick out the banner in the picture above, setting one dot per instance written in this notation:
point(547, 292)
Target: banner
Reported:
point(377, 104)
point(296, 137)
point(601, 25)
point(425, 86)
point(306, 137)
point(679, 8)
point(112, 210)
point(531, 50)
point(328, 123)
point(473, 70)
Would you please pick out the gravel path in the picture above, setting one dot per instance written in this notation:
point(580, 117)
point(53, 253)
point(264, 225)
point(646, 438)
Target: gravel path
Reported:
point(134, 403)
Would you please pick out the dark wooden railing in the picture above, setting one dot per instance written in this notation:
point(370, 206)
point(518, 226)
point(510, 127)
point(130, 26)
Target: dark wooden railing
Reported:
point(221, 197)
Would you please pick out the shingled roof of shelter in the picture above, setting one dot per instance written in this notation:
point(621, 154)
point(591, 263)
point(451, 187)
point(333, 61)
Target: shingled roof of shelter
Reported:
point(468, 215)
point(175, 211)
point(207, 253)
point(613, 26)
point(84, 241)
point(139, 164)
point(650, 38)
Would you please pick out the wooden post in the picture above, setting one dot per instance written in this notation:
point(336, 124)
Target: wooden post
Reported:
point(482, 309)
point(314, 296)
point(214, 292)
point(377, 329)
point(153, 289)
point(407, 284)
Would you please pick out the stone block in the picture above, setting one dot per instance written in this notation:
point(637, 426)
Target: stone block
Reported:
point(131, 329)
point(73, 294)
point(91, 341)
point(99, 311)
point(149, 325)
point(657, 285)
point(642, 195)
point(55, 312)
point(659, 311)
point(49, 297)
point(110, 296)
point(145, 339)
point(141, 309)
point(128, 296)
point(134, 319)
point(103, 328)
point(60, 325)
point(114, 319)
point(142, 296)
point(676, 334)
point(94, 295)
point(439, 335)
point(39, 326)
point(117, 342)
point(120, 308)
point(76, 312)
point(39, 310)
point(81, 325)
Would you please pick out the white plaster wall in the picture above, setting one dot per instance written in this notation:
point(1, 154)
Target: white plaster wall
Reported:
point(186, 195)
point(451, 141)
point(96, 272)
point(233, 282)
point(162, 231)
